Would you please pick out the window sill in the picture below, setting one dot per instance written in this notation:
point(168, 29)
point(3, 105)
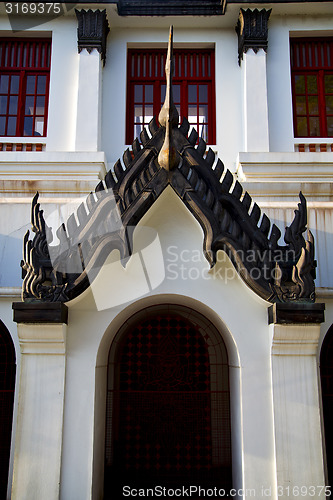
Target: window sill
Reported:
point(313, 145)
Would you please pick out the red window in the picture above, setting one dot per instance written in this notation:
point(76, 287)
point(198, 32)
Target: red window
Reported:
point(312, 86)
point(193, 89)
point(24, 87)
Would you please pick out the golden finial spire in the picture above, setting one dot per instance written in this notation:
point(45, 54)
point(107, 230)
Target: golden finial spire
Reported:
point(168, 157)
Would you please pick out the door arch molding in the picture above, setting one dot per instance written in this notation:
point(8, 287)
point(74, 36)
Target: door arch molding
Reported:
point(101, 375)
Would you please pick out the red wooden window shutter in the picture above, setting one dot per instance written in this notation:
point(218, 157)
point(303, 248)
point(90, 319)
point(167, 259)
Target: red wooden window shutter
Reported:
point(24, 87)
point(312, 86)
point(193, 89)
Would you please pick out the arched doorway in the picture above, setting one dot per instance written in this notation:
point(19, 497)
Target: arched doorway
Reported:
point(168, 409)
point(326, 373)
point(7, 386)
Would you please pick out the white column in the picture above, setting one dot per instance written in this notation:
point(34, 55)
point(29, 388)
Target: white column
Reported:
point(92, 31)
point(88, 120)
point(256, 134)
point(38, 443)
point(252, 31)
point(297, 411)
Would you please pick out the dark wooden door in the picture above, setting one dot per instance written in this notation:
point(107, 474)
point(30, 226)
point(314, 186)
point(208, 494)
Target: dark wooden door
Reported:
point(165, 428)
point(7, 385)
point(326, 372)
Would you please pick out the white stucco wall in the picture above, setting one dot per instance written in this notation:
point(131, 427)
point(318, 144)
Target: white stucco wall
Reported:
point(94, 318)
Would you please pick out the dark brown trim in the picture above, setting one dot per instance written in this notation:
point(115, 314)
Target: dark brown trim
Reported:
point(252, 31)
point(170, 7)
point(92, 31)
point(289, 314)
point(276, 1)
point(224, 2)
point(41, 312)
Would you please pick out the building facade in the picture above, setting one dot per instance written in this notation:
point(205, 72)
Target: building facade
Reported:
point(170, 324)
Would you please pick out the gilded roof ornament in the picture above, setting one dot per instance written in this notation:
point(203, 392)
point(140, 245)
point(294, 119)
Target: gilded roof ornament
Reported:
point(168, 157)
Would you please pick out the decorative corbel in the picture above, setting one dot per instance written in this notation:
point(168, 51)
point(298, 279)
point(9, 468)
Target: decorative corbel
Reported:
point(252, 31)
point(92, 31)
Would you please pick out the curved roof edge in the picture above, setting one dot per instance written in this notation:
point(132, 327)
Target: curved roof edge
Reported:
point(230, 220)
point(169, 155)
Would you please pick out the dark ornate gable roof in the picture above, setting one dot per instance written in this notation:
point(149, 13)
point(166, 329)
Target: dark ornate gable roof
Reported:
point(231, 221)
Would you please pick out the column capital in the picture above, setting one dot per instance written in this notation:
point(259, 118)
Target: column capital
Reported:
point(40, 312)
point(92, 31)
point(41, 327)
point(295, 340)
point(296, 313)
point(42, 339)
point(295, 328)
point(252, 31)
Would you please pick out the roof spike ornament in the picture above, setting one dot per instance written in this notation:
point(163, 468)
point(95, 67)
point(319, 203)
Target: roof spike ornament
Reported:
point(168, 157)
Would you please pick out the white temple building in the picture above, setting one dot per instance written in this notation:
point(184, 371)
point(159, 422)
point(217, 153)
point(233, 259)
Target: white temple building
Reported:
point(166, 272)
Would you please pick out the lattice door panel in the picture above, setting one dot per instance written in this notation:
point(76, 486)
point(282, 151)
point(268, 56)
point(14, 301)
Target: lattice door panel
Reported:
point(168, 426)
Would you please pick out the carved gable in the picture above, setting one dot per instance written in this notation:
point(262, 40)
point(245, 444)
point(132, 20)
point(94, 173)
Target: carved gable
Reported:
point(169, 155)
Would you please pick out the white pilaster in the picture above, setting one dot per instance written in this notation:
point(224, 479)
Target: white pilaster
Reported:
point(256, 136)
point(88, 120)
point(298, 435)
point(38, 441)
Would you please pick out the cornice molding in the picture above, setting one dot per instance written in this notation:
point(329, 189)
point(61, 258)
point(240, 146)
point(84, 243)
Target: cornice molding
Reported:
point(92, 31)
point(282, 175)
point(252, 31)
point(49, 340)
point(295, 340)
point(56, 173)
